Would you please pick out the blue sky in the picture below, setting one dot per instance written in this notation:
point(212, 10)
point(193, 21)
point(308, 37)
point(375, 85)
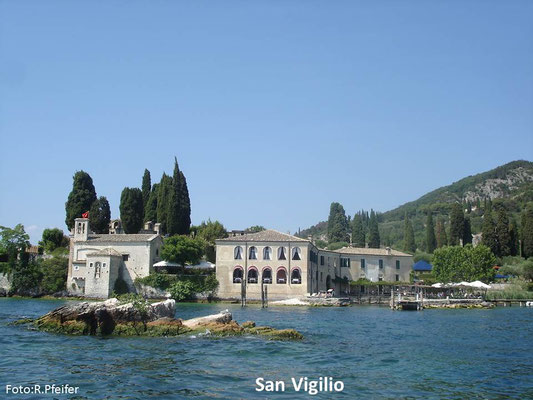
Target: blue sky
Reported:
point(273, 108)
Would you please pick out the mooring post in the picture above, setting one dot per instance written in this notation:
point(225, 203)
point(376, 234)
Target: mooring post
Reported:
point(266, 296)
point(262, 294)
point(243, 293)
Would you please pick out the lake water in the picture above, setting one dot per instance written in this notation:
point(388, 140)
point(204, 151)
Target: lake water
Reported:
point(376, 352)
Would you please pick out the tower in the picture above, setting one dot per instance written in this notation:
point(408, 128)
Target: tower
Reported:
point(81, 229)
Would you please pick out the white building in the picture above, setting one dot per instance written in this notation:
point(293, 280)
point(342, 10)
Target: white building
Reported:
point(96, 261)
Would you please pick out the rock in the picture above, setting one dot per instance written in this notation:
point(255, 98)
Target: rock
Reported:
point(248, 324)
point(223, 317)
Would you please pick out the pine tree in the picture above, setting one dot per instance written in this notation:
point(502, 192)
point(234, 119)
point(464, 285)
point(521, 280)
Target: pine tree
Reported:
point(527, 232)
point(337, 224)
point(80, 198)
point(174, 202)
point(100, 215)
point(488, 230)
point(456, 224)
point(502, 233)
point(442, 239)
point(373, 231)
point(467, 232)
point(408, 236)
point(163, 200)
point(150, 208)
point(431, 240)
point(131, 209)
point(146, 187)
point(358, 232)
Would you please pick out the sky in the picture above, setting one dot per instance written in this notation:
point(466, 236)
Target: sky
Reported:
point(274, 109)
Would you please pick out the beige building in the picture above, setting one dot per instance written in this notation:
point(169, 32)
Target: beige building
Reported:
point(96, 261)
point(291, 267)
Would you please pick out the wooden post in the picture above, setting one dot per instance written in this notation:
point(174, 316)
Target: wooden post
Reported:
point(266, 296)
point(243, 293)
point(262, 294)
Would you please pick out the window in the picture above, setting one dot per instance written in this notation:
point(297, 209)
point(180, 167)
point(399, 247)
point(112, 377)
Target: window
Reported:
point(267, 251)
point(321, 260)
point(125, 257)
point(380, 278)
point(237, 275)
point(267, 275)
point(281, 276)
point(296, 277)
point(397, 264)
point(397, 278)
point(380, 264)
point(363, 263)
point(281, 253)
point(90, 265)
point(253, 253)
point(76, 267)
point(237, 253)
point(296, 253)
point(104, 265)
point(156, 252)
point(345, 262)
point(252, 275)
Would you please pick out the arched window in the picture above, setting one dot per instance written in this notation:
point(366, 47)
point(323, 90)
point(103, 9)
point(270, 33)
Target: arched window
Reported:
point(253, 253)
point(237, 275)
point(281, 253)
point(267, 251)
point(281, 276)
point(296, 253)
point(267, 275)
point(237, 253)
point(252, 275)
point(296, 277)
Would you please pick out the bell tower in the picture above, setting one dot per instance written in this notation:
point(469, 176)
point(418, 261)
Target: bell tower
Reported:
point(81, 229)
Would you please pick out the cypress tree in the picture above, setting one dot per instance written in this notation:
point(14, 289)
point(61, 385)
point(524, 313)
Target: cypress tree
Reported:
point(100, 215)
point(467, 232)
point(337, 224)
point(502, 233)
point(131, 209)
point(408, 236)
point(174, 202)
point(456, 224)
point(146, 187)
point(163, 200)
point(527, 232)
point(442, 239)
point(358, 232)
point(431, 240)
point(185, 205)
point(150, 208)
point(80, 198)
point(513, 233)
point(488, 230)
point(373, 231)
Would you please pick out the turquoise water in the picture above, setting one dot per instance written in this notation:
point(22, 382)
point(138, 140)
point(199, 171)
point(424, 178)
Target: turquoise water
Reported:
point(376, 352)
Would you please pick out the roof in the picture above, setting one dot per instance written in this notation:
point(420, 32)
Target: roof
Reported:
point(122, 237)
point(372, 252)
point(106, 252)
point(268, 235)
point(422, 266)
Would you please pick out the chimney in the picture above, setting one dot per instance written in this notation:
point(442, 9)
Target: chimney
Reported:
point(389, 251)
point(157, 228)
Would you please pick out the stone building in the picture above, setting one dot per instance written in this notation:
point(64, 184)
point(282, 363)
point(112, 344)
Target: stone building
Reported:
point(96, 261)
point(291, 266)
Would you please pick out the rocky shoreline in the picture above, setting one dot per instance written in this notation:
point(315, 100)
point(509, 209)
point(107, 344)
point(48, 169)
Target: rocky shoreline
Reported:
point(140, 318)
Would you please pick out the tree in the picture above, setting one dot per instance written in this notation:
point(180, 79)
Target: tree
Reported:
point(185, 205)
point(52, 239)
point(210, 231)
point(13, 244)
point(337, 224)
point(163, 200)
point(488, 230)
point(502, 233)
point(358, 231)
point(100, 215)
point(442, 239)
point(146, 186)
point(80, 198)
point(255, 229)
point(150, 208)
point(456, 263)
point(527, 232)
point(131, 210)
point(456, 224)
point(373, 231)
point(174, 203)
point(409, 244)
point(54, 274)
point(431, 240)
point(183, 249)
point(467, 231)
point(513, 233)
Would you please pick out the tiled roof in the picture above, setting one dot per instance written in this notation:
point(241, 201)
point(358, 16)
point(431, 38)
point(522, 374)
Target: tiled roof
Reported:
point(106, 252)
point(122, 237)
point(372, 252)
point(268, 235)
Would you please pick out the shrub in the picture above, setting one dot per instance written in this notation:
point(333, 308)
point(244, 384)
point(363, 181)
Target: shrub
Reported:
point(54, 274)
point(182, 290)
point(121, 287)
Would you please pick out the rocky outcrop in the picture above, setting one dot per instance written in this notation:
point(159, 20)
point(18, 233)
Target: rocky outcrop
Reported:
point(140, 318)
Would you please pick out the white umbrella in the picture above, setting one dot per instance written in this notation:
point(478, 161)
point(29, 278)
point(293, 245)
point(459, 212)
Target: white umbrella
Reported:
point(479, 285)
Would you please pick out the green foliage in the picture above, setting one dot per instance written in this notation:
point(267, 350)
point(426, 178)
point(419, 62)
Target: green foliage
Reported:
point(80, 198)
point(457, 224)
point(121, 287)
point(182, 290)
point(210, 231)
point(321, 244)
point(26, 275)
point(146, 187)
point(442, 239)
point(13, 243)
point(139, 303)
point(158, 280)
point(163, 201)
point(183, 249)
point(456, 263)
point(527, 231)
point(54, 274)
point(337, 224)
point(255, 229)
point(131, 210)
point(409, 244)
point(518, 267)
point(373, 231)
point(358, 231)
point(337, 245)
point(467, 231)
point(52, 239)
point(420, 255)
point(100, 215)
point(489, 236)
point(431, 240)
point(150, 207)
point(502, 233)
point(179, 207)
